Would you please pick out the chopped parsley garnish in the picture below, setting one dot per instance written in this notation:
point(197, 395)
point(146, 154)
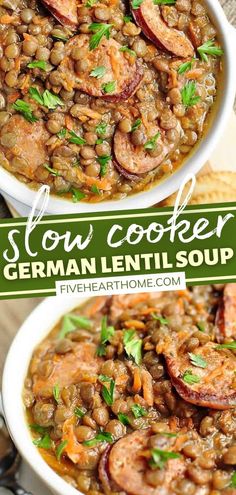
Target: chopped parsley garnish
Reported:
point(52, 171)
point(160, 318)
point(197, 360)
point(164, 2)
point(190, 378)
point(185, 67)
point(233, 480)
point(60, 37)
point(133, 345)
point(56, 393)
point(136, 125)
point(123, 418)
point(99, 30)
point(138, 411)
point(102, 436)
point(136, 4)
point(95, 190)
point(230, 345)
point(188, 94)
point(101, 128)
point(62, 133)
point(26, 111)
point(127, 18)
point(90, 3)
point(108, 393)
point(46, 99)
point(168, 434)
point(77, 195)
point(99, 141)
point(107, 333)
point(152, 142)
point(44, 442)
point(103, 161)
point(98, 72)
point(201, 326)
point(79, 413)
point(60, 449)
point(109, 87)
point(71, 322)
point(160, 457)
point(128, 50)
point(39, 429)
point(38, 64)
point(209, 48)
point(75, 139)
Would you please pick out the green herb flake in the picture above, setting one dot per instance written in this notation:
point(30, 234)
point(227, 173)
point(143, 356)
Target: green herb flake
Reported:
point(38, 429)
point(44, 442)
point(79, 413)
point(209, 48)
point(160, 318)
point(197, 360)
point(233, 480)
point(38, 64)
point(152, 142)
point(128, 50)
point(101, 128)
point(160, 457)
point(201, 326)
point(95, 190)
point(56, 393)
point(104, 378)
point(164, 2)
point(190, 378)
point(133, 345)
point(107, 333)
point(108, 393)
point(36, 95)
point(188, 94)
point(102, 436)
point(52, 171)
point(124, 419)
point(75, 139)
point(99, 141)
point(136, 125)
point(103, 162)
point(26, 111)
point(99, 30)
point(90, 3)
point(138, 411)
point(60, 37)
point(136, 4)
point(46, 99)
point(109, 87)
point(77, 195)
point(72, 322)
point(168, 434)
point(230, 346)
point(185, 67)
point(98, 72)
point(127, 18)
point(62, 133)
point(60, 449)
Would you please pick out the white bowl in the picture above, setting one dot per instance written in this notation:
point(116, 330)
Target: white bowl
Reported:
point(22, 197)
point(33, 331)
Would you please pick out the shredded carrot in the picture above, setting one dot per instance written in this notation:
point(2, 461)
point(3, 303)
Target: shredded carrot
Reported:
point(216, 372)
point(148, 346)
point(194, 74)
point(148, 311)
point(139, 325)
point(62, 468)
point(137, 385)
point(96, 306)
point(8, 19)
point(148, 394)
point(13, 97)
point(69, 122)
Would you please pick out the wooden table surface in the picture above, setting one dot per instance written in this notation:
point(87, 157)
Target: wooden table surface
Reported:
point(13, 312)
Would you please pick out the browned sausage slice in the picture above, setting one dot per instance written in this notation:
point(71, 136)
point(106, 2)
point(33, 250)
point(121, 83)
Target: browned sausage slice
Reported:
point(136, 159)
point(127, 466)
point(148, 17)
point(30, 145)
point(226, 316)
point(125, 75)
point(210, 386)
point(68, 368)
point(65, 11)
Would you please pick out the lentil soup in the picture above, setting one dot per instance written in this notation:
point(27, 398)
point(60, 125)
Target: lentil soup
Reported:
point(100, 100)
point(136, 394)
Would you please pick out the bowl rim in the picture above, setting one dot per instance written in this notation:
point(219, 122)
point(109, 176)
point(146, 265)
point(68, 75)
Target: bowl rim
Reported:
point(14, 373)
point(23, 194)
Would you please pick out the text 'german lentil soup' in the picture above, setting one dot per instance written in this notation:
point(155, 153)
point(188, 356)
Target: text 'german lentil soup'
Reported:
point(100, 100)
point(136, 394)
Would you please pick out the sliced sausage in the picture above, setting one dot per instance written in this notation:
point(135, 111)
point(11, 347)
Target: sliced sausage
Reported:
point(127, 466)
point(29, 145)
point(119, 70)
point(148, 17)
point(65, 11)
point(136, 159)
point(226, 315)
point(68, 369)
point(215, 387)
